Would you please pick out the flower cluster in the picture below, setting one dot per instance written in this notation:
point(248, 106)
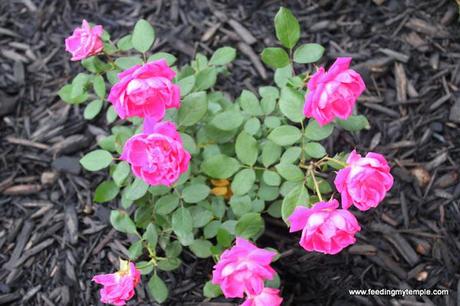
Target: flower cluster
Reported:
point(250, 157)
point(242, 270)
point(363, 182)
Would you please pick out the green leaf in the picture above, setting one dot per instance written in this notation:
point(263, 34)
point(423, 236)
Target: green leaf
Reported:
point(173, 249)
point(92, 109)
point(170, 59)
point(243, 181)
point(272, 122)
point(224, 237)
point(189, 143)
point(145, 267)
point(271, 178)
point(246, 148)
point(151, 235)
point(99, 86)
point(252, 126)
point(249, 103)
point(192, 109)
point(111, 114)
point(210, 230)
point(201, 248)
point(143, 36)
point(308, 53)
point(200, 216)
point(315, 149)
point(290, 172)
point(271, 153)
point(316, 132)
point(166, 204)
point(249, 225)
point(291, 155)
point(195, 193)
point(169, 264)
point(282, 75)
point(186, 85)
point(105, 192)
point(157, 288)
point(206, 78)
point(227, 120)
point(125, 43)
point(95, 65)
point(135, 250)
point(297, 196)
point(240, 205)
point(79, 85)
point(136, 190)
point(126, 62)
point(223, 56)
point(287, 28)
point(182, 222)
point(285, 135)
point(275, 209)
point(121, 221)
point(96, 160)
point(121, 173)
point(211, 291)
point(275, 57)
point(291, 104)
point(354, 123)
point(220, 166)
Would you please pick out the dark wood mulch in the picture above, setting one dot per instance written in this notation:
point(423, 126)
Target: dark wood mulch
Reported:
point(53, 239)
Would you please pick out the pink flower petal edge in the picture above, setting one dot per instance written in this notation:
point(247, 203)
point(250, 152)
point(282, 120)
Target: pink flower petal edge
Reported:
point(85, 41)
point(333, 94)
point(365, 181)
point(119, 287)
point(243, 269)
point(325, 228)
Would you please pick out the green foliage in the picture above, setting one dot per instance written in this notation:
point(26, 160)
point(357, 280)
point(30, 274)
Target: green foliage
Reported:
point(287, 28)
point(96, 160)
point(106, 191)
point(354, 123)
point(220, 166)
point(308, 53)
point(143, 36)
point(121, 221)
point(157, 288)
point(223, 56)
point(275, 57)
point(251, 156)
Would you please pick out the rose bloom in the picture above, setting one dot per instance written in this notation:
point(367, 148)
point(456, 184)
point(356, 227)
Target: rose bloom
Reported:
point(365, 181)
point(119, 286)
point(243, 268)
point(84, 42)
point(268, 297)
point(333, 93)
point(325, 228)
point(145, 91)
point(157, 155)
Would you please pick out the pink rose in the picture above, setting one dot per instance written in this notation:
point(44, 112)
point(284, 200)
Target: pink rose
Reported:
point(84, 42)
point(243, 268)
point(157, 155)
point(333, 94)
point(119, 286)
point(145, 91)
point(325, 228)
point(268, 296)
point(365, 181)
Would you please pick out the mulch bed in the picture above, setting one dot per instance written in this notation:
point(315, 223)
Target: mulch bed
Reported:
point(53, 239)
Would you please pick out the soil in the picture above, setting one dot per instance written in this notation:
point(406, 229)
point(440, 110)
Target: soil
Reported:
point(53, 239)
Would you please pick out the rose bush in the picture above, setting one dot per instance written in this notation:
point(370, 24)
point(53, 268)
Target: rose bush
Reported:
point(193, 167)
